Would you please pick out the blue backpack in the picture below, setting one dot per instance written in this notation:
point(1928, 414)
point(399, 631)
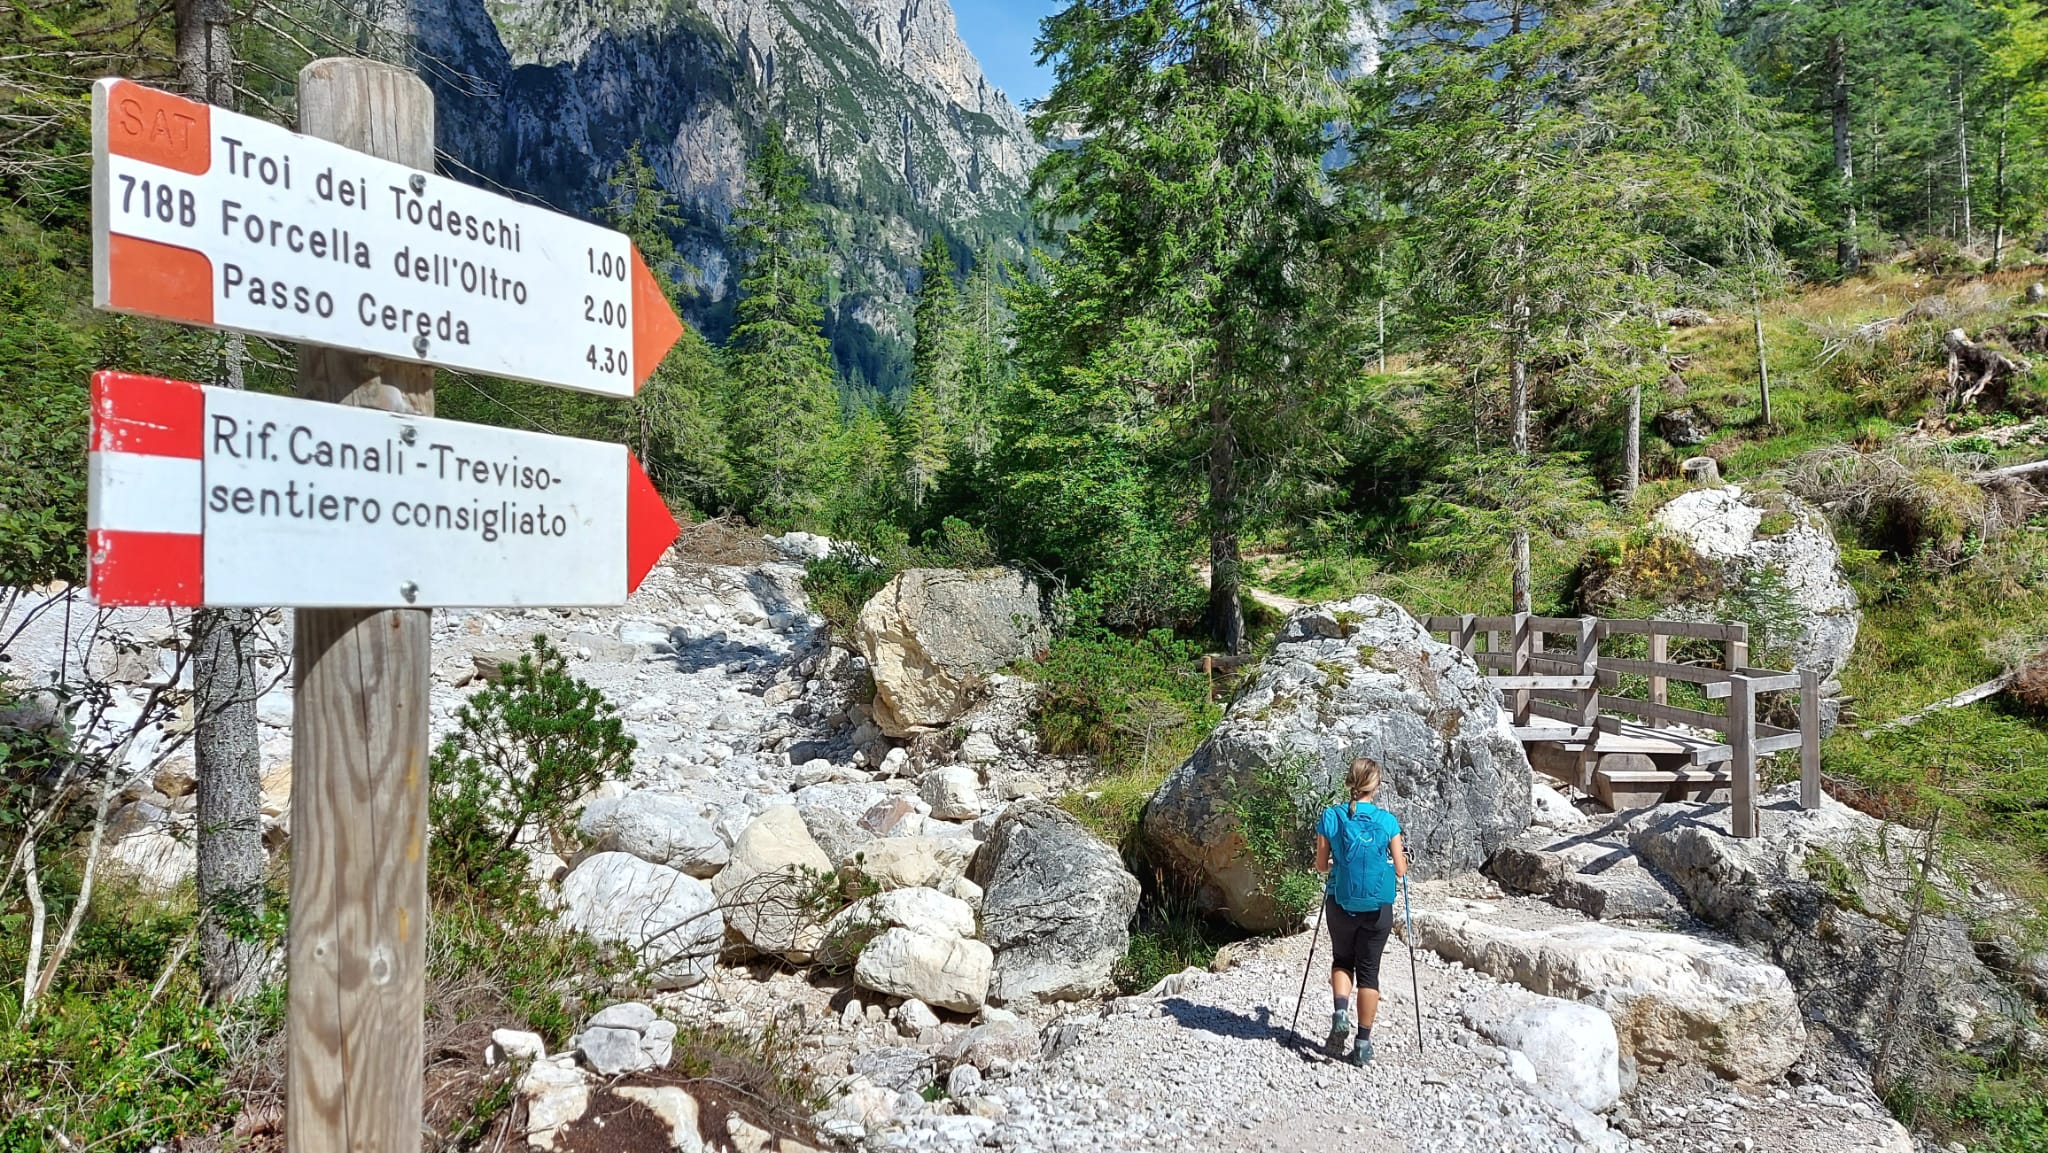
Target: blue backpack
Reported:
point(1361, 855)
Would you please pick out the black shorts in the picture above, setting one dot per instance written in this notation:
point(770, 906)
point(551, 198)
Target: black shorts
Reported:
point(1358, 939)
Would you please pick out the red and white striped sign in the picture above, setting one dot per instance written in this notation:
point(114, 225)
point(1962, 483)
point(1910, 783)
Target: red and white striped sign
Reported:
point(210, 496)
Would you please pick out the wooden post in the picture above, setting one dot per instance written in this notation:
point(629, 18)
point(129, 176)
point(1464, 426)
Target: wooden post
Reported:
point(1742, 738)
point(1660, 687)
point(1468, 634)
point(1809, 738)
point(1737, 647)
point(1521, 667)
point(1589, 698)
point(357, 950)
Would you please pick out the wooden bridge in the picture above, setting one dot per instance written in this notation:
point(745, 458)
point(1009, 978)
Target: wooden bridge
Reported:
point(1636, 751)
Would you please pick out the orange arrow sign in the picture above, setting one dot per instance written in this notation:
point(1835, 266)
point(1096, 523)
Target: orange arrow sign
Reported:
point(656, 327)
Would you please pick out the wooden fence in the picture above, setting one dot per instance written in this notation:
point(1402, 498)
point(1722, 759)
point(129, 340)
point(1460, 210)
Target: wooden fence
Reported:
point(1564, 686)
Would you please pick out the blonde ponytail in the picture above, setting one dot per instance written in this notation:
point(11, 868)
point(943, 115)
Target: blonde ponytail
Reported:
point(1363, 781)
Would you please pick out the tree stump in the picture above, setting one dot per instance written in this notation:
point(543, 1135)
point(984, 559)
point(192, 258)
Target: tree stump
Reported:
point(1701, 470)
point(1973, 367)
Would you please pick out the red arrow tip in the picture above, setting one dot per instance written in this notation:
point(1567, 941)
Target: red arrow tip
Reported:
point(650, 528)
point(656, 327)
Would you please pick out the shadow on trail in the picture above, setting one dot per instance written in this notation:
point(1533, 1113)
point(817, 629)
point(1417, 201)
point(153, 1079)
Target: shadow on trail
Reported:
point(1225, 1022)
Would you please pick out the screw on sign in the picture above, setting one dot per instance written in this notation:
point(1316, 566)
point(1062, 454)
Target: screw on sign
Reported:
point(211, 496)
point(204, 216)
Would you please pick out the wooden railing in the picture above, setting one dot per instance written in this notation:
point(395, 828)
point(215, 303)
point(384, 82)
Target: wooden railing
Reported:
point(1566, 686)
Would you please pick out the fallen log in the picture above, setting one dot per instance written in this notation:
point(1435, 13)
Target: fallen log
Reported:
point(1970, 696)
point(2010, 472)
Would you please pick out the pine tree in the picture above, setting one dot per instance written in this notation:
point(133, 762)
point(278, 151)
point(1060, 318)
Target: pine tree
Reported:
point(935, 327)
point(925, 443)
point(676, 419)
point(1201, 206)
point(782, 402)
point(1494, 126)
point(985, 361)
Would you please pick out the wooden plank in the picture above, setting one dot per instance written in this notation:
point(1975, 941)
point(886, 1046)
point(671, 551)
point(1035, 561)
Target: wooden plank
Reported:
point(1742, 739)
point(1566, 625)
point(1778, 744)
point(1735, 650)
point(1771, 680)
point(1809, 738)
point(357, 946)
point(1705, 630)
point(1676, 714)
point(1552, 733)
point(1494, 660)
point(1660, 688)
point(1541, 683)
point(1691, 674)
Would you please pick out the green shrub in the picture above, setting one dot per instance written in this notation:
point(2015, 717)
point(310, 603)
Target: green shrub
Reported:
point(517, 971)
point(1171, 934)
point(840, 583)
point(2008, 1117)
point(523, 751)
point(1276, 815)
point(1134, 703)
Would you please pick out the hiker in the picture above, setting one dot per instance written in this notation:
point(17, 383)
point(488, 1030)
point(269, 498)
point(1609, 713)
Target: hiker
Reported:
point(1358, 844)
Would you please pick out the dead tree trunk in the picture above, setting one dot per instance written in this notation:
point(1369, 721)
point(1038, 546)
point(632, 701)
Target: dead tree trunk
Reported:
point(1847, 253)
point(231, 857)
point(1963, 169)
point(1998, 187)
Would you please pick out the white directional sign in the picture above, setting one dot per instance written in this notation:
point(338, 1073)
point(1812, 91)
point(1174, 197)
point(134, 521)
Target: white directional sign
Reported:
point(208, 217)
point(211, 496)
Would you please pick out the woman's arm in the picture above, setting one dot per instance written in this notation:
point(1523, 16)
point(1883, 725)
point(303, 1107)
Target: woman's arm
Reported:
point(1400, 857)
point(1322, 853)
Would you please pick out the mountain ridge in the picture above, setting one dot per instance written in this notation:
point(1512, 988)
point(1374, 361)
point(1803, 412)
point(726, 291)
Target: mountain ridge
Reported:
point(888, 108)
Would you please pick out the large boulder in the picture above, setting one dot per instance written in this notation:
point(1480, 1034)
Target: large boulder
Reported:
point(665, 830)
point(1827, 892)
point(915, 862)
point(1347, 679)
point(926, 911)
point(1673, 998)
point(768, 887)
point(1056, 905)
point(933, 637)
point(668, 919)
point(1572, 1049)
point(941, 970)
point(1776, 553)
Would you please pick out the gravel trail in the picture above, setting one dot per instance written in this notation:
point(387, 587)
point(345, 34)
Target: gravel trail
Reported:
point(1213, 1066)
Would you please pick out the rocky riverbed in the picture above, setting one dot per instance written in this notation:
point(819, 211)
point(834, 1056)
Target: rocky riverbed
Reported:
point(967, 1003)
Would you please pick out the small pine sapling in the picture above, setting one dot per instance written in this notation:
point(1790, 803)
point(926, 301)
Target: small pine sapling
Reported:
point(523, 751)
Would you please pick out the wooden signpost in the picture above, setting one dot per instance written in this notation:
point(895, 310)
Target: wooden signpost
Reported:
point(363, 511)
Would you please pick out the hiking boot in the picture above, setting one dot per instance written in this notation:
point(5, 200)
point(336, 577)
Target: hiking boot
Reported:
point(1340, 1031)
point(1362, 1055)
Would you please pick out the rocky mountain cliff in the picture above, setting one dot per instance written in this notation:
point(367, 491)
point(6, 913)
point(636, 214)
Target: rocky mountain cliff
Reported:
point(902, 131)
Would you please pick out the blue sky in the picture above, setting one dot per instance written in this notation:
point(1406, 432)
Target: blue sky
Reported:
point(1001, 33)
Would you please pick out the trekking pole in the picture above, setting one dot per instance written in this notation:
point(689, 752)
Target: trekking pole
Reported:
point(1414, 974)
point(1295, 1028)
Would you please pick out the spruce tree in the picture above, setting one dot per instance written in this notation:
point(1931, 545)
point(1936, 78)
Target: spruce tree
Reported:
point(1200, 206)
point(782, 403)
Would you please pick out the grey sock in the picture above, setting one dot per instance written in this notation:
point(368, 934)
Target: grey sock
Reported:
point(1340, 1004)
